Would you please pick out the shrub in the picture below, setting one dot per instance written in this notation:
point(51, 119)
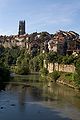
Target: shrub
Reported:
point(44, 71)
point(77, 73)
point(22, 70)
point(55, 75)
point(69, 77)
point(34, 65)
point(77, 80)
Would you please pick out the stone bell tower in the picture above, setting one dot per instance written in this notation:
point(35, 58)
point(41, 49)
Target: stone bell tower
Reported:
point(21, 30)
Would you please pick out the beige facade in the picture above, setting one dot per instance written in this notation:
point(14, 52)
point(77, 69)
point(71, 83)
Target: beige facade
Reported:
point(52, 45)
point(60, 67)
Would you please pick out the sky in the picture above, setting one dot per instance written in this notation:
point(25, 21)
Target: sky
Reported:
point(39, 15)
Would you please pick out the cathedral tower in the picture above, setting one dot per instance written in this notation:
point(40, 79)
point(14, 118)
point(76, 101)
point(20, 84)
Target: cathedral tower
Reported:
point(21, 27)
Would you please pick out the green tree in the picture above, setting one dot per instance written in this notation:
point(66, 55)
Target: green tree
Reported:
point(68, 59)
point(55, 75)
point(22, 68)
point(52, 57)
point(77, 73)
point(34, 64)
point(44, 71)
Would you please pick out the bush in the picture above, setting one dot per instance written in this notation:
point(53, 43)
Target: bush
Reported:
point(44, 71)
point(69, 77)
point(77, 74)
point(77, 80)
point(55, 75)
point(22, 70)
point(34, 65)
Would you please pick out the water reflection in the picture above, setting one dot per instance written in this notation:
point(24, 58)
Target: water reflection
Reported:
point(40, 99)
point(36, 93)
point(2, 86)
point(22, 97)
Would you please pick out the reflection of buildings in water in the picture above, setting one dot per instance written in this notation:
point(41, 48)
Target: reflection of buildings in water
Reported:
point(22, 97)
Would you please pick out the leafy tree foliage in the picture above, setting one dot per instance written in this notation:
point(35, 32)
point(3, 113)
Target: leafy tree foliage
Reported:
point(44, 71)
point(55, 75)
point(9, 56)
point(51, 57)
point(68, 59)
point(77, 74)
point(34, 64)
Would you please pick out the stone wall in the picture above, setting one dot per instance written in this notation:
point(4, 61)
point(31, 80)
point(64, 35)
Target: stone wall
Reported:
point(50, 67)
point(60, 67)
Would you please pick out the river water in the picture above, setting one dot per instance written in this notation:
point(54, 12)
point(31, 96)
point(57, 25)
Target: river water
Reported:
point(38, 100)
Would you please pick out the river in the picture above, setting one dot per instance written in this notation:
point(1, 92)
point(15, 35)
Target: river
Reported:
point(28, 99)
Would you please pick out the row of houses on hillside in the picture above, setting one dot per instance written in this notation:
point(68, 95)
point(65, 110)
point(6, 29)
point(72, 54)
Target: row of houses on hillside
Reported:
point(64, 42)
point(14, 41)
point(28, 41)
point(61, 42)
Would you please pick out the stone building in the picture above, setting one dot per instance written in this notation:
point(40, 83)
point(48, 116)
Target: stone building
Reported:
point(64, 42)
point(21, 28)
point(58, 43)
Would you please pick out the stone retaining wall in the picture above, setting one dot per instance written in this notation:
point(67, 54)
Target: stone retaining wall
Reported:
point(60, 67)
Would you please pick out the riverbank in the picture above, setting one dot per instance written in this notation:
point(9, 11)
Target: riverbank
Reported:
point(68, 80)
point(65, 79)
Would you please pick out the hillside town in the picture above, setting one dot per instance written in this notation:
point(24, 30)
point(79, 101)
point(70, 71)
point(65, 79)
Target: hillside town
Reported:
point(62, 42)
point(39, 60)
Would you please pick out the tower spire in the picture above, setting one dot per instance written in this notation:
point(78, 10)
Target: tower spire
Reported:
point(21, 27)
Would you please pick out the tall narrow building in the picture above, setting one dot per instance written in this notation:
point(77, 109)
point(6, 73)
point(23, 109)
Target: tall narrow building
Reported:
point(21, 27)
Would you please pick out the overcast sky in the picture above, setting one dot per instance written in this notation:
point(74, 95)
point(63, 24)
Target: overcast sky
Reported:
point(40, 15)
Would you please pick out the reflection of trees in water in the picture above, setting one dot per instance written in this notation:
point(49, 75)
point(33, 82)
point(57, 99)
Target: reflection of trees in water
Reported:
point(4, 77)
point(48, 92)
point(60, 94)
point(36, 93)
point(22, 97)
point(2, 86)
point(20, 92)
point(43, 91)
